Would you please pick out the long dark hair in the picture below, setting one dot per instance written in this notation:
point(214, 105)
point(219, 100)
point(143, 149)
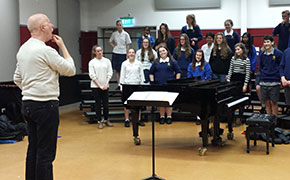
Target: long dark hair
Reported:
point(194, 61)
point(249, 44)
point(243, 56)
point(160, 35)
point(150, 51)
point(187, 46)
point(225, 49)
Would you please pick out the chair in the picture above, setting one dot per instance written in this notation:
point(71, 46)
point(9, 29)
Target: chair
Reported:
point(260, 123)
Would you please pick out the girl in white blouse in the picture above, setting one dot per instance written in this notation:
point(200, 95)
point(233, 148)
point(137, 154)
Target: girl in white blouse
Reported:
point(146, 55)
point(131, 73)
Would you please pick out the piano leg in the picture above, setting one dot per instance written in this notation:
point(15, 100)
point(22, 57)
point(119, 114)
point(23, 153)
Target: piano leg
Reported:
point(135, 125)
point(230, 134)
point(217, 140)
point(204, 131)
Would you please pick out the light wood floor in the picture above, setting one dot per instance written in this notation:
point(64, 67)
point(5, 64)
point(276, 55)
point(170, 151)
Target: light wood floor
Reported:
point(87, 153)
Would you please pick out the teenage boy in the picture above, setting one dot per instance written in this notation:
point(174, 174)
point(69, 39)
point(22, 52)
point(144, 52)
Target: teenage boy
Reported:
point(270, 60)
point(206, 48)
point(285, 74)
point(283, 29)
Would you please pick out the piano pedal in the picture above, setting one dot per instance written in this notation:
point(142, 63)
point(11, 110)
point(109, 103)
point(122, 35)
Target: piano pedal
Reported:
point(202, 151)
point(137, 141)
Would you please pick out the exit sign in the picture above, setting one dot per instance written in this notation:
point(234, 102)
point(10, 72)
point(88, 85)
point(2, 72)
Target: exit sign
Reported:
point(127, 21)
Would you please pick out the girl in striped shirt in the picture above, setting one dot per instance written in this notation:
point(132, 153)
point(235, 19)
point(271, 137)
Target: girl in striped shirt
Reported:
point(240, 66)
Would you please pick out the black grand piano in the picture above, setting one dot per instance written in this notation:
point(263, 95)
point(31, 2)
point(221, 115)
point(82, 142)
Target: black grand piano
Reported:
point(201, 98)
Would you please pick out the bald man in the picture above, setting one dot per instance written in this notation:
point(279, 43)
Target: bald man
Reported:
point(37, 72)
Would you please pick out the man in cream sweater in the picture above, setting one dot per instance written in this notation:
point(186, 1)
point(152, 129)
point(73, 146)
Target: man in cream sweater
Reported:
point(37, 72)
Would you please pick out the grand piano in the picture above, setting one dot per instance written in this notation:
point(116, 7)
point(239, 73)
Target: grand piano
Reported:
point(201, 98)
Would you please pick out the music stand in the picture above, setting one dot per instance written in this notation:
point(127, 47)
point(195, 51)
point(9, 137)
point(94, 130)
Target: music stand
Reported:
point(152, 98)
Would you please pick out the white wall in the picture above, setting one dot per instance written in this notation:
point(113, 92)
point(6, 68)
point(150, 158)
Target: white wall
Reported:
point(9, 38)
point(29, 7)
point(260, 15)
point(95, 14)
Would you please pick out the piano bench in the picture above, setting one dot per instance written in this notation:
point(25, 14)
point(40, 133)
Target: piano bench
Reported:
point(260, 125)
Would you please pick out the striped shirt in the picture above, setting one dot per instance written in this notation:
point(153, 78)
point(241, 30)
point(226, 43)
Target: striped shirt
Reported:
point(240, 66)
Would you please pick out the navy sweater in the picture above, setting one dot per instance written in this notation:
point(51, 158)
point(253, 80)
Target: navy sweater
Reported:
point(163, 72)
point(285, 64)
point(269, 66)
point(170, 44)
point(284, 32)
point(232, 40)
point(192, 33)
point(182, 61)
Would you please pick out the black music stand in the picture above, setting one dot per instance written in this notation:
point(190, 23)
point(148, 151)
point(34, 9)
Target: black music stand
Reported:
point(152, 98)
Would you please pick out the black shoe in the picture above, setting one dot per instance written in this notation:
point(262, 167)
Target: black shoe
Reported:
point(141, 123)
point(162, 120)
point(127, 123)
point(169, 120)
point(197, 122)
point(263, 111)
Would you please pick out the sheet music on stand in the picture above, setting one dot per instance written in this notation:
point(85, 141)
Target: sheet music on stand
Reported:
point(154, 98)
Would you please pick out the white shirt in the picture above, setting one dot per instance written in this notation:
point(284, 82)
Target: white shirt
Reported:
point(37, 70)
point(131, 73)
point(166, 60)
point(146, 64)
point(207, 51)
point(121, 39)
point(230, 33)
point(100, 70)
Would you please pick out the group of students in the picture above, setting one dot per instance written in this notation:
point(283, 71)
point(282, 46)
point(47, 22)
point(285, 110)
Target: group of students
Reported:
point(223, 57)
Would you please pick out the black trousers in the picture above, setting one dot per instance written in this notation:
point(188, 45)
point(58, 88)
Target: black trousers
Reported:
point(101, 98)
point(43, 121)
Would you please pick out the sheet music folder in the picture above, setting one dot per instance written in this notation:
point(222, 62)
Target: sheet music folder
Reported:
point(152, 98)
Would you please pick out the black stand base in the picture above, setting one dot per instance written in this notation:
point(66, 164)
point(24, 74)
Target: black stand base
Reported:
point(154, 177)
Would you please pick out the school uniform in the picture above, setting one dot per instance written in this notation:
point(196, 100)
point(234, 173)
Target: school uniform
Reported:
point(284, 34)
point(146, 63)
point(285, 71)
point(232, 39)
point(164, 70)
point(194, 32)
point(205, 73)
point(170, 44)
point(270, 75)
point(140, 40)
point(207, 51)
point(183, 61)
point(119, 52)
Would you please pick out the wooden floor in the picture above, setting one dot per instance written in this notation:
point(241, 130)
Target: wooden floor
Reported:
point(87, 153)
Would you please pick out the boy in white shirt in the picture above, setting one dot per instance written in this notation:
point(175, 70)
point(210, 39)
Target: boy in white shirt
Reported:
point(206, 48)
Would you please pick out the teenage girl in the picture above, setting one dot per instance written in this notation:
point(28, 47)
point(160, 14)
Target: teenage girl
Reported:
point(131, 73)
point(146, 55)
point(192, 30)
point(162, 70)
point(183, 54)
point(232, 37)
point(199, 67)
point(164, 39)
point(220, 57)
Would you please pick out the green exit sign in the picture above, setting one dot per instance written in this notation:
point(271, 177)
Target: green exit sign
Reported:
point(127, 21)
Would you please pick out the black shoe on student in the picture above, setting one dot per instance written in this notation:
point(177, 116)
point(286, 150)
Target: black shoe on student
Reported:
point(169, 120)
point(162, 120)
point(263, 110)
point(127, 123)
point(197, 122)
point(141, 123)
